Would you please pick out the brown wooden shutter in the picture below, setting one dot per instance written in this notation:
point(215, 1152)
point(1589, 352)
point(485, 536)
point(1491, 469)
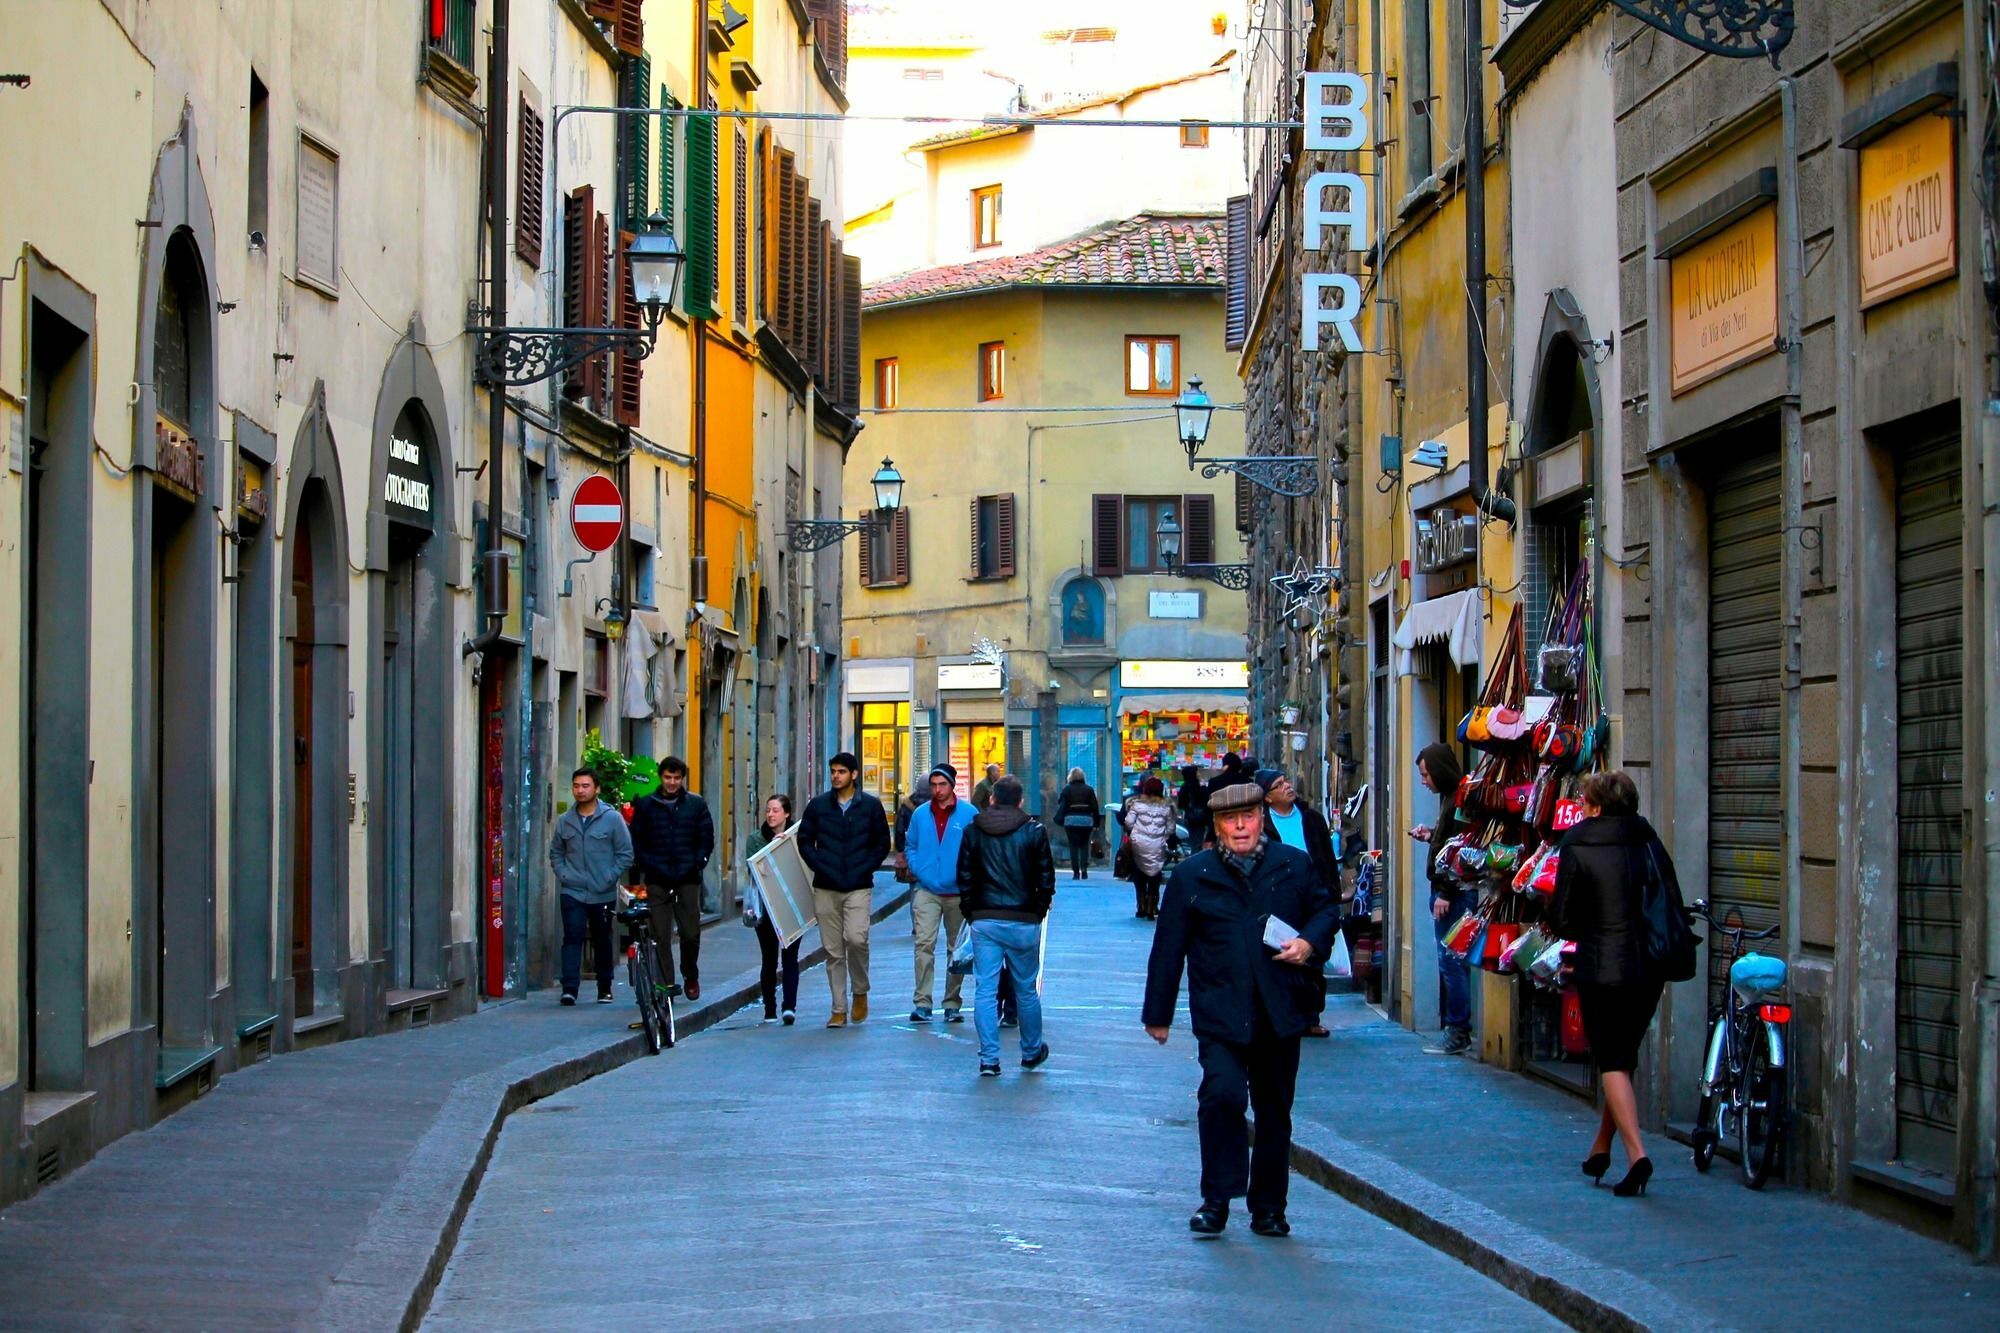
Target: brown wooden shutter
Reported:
point(801, 258)
point(901, 542)
point(1236, 303)
point(528, 187)
point(1246, 504)
point(741, 217)
point(627, 21)
point(781, 304)
point(867, 544)
point(1198, 527)
point(974, 563)
point(831, 356)
point(815, 282)
point(601, 306)
point(1107, 535)
point(625, 409)
point(1004, 519)
point(768, 231)
point(578, 212)
point(850, 332)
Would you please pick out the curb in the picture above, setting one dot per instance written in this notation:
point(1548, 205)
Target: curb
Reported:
point(389, 1279)
point(1577, 1290)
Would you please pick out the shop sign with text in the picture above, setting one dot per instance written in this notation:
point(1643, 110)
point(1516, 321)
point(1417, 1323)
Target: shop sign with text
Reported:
point(1336, 121)
point(1909, 231)
point(1184, 675)
point(1725, 299)
point(406, 489)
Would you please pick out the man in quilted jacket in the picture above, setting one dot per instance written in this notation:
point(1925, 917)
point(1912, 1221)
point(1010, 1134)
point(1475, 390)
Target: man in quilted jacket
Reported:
point(843, 838)
point(672, 840)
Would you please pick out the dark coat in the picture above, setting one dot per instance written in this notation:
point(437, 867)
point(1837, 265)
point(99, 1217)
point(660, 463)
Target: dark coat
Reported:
point(844, 849)
point(1319, 843)
point(1212, 923)
point(1601, 873)
point(1006, 868)
point(1077, 798)
point(672, 840)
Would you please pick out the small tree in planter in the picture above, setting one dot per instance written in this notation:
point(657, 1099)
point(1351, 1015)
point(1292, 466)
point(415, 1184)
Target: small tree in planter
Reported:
point(613, 769)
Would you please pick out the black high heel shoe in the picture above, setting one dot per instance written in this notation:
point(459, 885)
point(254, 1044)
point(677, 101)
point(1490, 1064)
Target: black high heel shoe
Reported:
point(1596, 1165)
point(1635, 1179)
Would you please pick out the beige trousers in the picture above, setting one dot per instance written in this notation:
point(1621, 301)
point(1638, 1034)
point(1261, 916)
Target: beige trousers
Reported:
point(927, 909)
point(843, 930)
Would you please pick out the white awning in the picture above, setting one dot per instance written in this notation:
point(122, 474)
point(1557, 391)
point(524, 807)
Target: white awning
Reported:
point(1452, 620)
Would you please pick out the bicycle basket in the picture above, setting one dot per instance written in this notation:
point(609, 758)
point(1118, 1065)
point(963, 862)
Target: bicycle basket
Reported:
point(1756, 976)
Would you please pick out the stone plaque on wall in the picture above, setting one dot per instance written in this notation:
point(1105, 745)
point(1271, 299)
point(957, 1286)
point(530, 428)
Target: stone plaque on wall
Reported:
point(318, 257)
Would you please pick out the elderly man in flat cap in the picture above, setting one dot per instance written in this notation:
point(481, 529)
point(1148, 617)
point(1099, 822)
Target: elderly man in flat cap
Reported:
point(1251, 922)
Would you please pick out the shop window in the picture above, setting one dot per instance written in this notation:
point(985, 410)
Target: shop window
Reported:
point(1152, 364)
point(1082, 612)
point(1194, 134)
point(985, 217)
point(888, 384)
point(1167, 741)
point(992, 372)
point(882, 734)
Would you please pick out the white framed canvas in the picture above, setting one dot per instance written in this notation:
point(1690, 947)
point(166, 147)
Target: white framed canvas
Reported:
point(785, 885)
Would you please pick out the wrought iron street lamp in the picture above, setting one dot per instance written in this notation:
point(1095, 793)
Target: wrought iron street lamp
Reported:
point(1294, 475)
point(517, 356)
point(1167, 540)
point(816, 534)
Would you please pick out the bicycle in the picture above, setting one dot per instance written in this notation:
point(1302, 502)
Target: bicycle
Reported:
point(650, 987)
point(1743, 1085)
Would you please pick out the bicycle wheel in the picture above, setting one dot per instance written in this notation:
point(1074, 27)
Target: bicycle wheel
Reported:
point(643, 992)
point(663, 999)
point(1760, 1123)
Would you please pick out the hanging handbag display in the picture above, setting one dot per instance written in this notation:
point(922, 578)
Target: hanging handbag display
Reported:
point(1503, 696)
point(1459, 936)
point(1499, 938)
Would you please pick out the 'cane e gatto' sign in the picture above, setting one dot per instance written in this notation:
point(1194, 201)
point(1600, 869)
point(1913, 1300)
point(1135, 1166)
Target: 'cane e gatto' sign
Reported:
point(1909, 228)
point(1725, 299)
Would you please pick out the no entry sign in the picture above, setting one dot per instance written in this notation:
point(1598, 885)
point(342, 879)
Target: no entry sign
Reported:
point(597, 513)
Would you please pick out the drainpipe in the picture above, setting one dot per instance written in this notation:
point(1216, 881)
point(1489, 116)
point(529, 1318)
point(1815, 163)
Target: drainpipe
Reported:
point(698, 563)
point(1488, 500)
point(493, 561)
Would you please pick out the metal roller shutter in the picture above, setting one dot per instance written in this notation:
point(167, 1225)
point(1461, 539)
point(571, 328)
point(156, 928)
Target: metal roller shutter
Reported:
point(1930, 823)
point(1745, 878)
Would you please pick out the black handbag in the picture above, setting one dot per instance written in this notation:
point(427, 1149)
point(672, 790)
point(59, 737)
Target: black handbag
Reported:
point(1122, 866)
point(1668, 939)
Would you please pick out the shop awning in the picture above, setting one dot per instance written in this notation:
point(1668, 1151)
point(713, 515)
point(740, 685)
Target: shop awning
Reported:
point(1181, 701)
point(1452, 620)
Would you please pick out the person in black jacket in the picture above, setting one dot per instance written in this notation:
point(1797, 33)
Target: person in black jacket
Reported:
point(1291, 821)
point(1451, 898)
point(843, 838)
point(1193, 802)
point(1006, 882)
point(672, 839)
point(1081, 816)
point(1601, 873)
point(1248, 1003)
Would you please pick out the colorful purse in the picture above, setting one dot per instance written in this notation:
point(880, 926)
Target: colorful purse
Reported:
point(1472, 728)
point(1548, 963)
point(1499, 938)
point(1459, 937)
point(1521, 952)
point(1470, 863)
point(1441, 864)
point(1506, 724)
point(1542, 878)
point(1575, 1042)
point(1502, 858)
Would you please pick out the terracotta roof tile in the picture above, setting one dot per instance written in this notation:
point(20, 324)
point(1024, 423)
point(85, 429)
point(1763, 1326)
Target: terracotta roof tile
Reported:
point(1152, 249)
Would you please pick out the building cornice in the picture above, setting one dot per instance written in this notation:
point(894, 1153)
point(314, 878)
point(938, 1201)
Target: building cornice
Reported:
point(1536, 39)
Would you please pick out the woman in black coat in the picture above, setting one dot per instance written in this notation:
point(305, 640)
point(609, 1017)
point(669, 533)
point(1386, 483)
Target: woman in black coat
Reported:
point(1601, 875)
point(1080, 815)
point(1193, 803)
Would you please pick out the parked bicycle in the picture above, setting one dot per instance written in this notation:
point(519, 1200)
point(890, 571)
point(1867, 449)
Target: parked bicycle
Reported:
point(1743, 1086)
point(649, 980)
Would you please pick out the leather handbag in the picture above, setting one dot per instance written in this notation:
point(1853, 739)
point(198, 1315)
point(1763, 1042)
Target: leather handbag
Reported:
point(1575, 1042)
point(1500, 937)
point(1506, 723)
point(1473, 729)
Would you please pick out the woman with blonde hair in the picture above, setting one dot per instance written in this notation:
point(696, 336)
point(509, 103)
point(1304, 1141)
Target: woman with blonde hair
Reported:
point(1080, 815)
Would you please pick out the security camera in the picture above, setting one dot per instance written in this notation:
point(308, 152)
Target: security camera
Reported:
point(257, 241)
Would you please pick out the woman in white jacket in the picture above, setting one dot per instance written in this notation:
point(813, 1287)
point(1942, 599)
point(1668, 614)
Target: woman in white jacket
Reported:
point(1149, 826)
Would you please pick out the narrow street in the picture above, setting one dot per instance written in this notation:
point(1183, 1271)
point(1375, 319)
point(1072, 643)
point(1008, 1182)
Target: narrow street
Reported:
point(869, 1178)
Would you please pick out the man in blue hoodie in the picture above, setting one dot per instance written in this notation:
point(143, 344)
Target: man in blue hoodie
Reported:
point(931, 856)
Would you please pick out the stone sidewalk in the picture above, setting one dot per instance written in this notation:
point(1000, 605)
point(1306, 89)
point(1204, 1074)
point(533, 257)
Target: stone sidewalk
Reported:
point(323, 1189)
point(1483, 1164)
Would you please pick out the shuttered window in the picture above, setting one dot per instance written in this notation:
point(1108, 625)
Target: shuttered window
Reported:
point(1198, 529)
point(635, 145)
point(586, 289)
point(529, 179)
point(740, 207)
point(1236, 308)
point(1246, 504)
point(703, 200)
point(624, 20)
point(670, 135)
point(885, 555)
point(765, 247)
point(1930, 801)
point(849, 369)
point(625, 406)
point(1744, 692)
point(814, 334)
point(1107, 535)
point(993, 537)
point(786, 245)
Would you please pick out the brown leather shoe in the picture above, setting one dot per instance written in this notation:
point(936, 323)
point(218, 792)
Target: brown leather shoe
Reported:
point(693, 989)
point(839, 1020)
point(861, 1008)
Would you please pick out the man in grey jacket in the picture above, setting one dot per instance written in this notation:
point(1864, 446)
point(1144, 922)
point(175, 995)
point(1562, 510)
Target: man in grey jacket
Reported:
point(590, 854)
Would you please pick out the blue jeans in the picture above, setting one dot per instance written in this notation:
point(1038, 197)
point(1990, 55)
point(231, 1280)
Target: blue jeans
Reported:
point(1454, 972)
point(583, 921)
point(1017, 947)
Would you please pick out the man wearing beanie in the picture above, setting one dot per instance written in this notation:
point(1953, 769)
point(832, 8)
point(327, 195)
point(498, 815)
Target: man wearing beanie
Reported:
point(1296, 824)
point(843, 838)
point(937, 827)
point(1248, 1002)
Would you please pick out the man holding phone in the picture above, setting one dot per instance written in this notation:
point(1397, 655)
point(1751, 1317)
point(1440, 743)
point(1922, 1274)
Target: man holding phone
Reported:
point(1249, 921)
point(1437, 768)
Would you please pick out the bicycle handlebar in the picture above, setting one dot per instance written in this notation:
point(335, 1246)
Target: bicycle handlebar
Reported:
point(1740, 934)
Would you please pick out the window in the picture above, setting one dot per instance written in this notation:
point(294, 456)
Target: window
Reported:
point(1152, 364)
point(528, 205)
point(258, 214)
point(741, 233)
point(1123, 537)
point(985, 217)
point(1417, 93)
point(452, 25)
point(642, 575)
point(993, 537)
point(888, 384)
point(1194, 134)
point(885, 554)
point(1142, 543)
point(992, 372)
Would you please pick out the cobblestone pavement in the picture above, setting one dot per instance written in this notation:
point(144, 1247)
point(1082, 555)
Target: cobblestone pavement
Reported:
point(868, 1178)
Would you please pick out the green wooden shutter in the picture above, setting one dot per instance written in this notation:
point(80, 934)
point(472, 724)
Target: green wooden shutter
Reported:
point(703, 205)
point(669, 134)
point(635, 138)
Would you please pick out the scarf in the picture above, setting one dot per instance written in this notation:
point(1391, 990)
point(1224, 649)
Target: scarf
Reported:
point(1245, 864)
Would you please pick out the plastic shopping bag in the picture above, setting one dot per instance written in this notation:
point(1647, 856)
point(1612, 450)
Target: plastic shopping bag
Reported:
point(1340, 964)
point(960, 963)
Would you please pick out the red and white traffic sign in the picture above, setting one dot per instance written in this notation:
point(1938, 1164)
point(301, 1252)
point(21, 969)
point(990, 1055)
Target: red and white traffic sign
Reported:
point(597, 513)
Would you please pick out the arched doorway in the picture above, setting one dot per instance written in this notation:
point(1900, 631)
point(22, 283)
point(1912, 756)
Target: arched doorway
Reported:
point(411, 907)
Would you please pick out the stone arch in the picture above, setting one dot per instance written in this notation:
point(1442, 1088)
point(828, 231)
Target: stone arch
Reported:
point(1563, 361)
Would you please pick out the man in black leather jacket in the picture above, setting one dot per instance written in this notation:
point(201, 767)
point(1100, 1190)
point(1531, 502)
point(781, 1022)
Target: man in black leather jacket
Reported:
point(1249, 1003)
point(673, 837)
point(1006, 881)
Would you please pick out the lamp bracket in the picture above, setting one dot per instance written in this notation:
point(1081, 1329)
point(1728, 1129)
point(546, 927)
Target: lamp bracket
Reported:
point(816, 534)
point(1223, 576)
point(1739, 29)
point(519, 356)
point(1295, 475)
